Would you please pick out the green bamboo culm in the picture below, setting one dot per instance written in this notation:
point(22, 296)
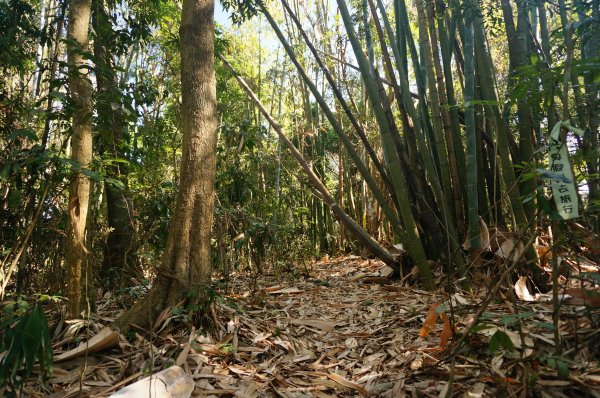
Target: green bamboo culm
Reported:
point(364, 171)
point(426, 154)
point(413, 241)
point(469, 96)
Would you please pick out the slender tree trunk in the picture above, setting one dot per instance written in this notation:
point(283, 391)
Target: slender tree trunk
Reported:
point(81, 151)
point(119, 260)
point(591, 140)
point(186, 263)
point(437, 115)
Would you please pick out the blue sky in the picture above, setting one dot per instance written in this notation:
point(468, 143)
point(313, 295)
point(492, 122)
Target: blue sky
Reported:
point(221, 16)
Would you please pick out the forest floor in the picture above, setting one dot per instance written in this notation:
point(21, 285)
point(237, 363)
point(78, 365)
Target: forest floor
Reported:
point(343, 331)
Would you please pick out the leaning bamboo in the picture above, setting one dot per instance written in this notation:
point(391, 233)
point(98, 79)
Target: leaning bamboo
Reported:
point(361, 234)
point(364, 171)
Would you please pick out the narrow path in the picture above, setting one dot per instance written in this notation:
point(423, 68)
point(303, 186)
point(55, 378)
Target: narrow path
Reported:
point(330, 334)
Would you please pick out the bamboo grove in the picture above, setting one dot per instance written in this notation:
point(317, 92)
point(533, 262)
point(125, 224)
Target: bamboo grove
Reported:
point(411, 122)
point(466, 147)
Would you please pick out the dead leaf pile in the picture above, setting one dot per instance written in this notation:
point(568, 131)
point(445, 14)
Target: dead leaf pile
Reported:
point(330, 335)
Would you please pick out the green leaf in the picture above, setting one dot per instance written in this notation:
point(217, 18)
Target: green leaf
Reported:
point(57, 94)
point(4, 172)
point(114, 183)
point(511, 319)
point(544, 325)
point(30, 339)
point(563, 369)
point(14, 199)
point(92, 175)
point(500, 339)
point(23, 133)
point(534, 59)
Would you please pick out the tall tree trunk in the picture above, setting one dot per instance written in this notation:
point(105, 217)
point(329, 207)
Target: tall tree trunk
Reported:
point(81, 151)
point(119, 258)
point(186, 264)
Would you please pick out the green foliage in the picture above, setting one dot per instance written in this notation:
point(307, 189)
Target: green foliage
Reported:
point(500, 339)
point(242, 10)
point(25, 340)
point(19, 34)
point(509, 320)
point(557, 364)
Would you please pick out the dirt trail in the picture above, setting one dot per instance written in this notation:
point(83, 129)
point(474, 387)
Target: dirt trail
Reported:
point(329, 334)
point(332, 335)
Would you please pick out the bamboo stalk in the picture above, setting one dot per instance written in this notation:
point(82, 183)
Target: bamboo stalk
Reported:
point(361, 234)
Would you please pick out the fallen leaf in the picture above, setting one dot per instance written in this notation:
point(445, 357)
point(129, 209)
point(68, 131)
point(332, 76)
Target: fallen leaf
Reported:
point(446, 332)
point(287, 290)
point(590, 298)
point(430, 319)
point(326, 326)
point(105, 339)
point(347, 383)
point(168, 383)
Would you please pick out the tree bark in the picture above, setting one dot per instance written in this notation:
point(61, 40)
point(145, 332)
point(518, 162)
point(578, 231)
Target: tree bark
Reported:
point(186, 264)
point(81, 151)
point(119, 259)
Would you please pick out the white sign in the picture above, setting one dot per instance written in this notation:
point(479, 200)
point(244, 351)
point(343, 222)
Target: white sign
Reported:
point(564, 190)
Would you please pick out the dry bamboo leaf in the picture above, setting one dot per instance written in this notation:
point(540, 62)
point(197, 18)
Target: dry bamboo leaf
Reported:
point(446, 332)
point(511, 249)
point(163, 316)
point(216, 392)
point(484, 237)
point(590, 297)
point(273, 288)
point(347, 383)
point(386, 271)
point(247, 389)
point(105, 339)
point(553, 383)
point(212, 349)
point(376, 280)
point(182, 357)
point(590, 378)
point(287, 290)
point(430, 320)
point(326, 326)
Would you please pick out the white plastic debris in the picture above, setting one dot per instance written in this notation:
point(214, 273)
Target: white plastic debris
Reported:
point(168, 383)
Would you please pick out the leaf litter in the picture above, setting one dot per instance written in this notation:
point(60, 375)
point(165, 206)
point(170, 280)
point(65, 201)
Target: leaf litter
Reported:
point(344, 331)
